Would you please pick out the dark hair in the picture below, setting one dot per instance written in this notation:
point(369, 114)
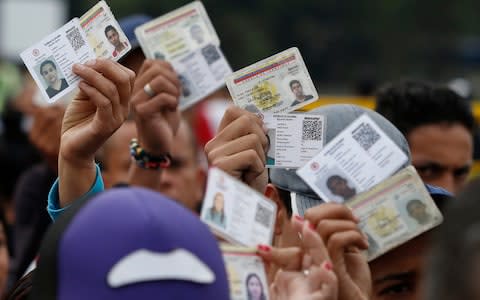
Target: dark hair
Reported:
point(212, 209)
point(250, 276)
point(456, 248)
point(21, 289)
point(410, 104)
point(293, 82)
point(110, 28)
point(47, 62)
point(413, 202)
point(333, 178)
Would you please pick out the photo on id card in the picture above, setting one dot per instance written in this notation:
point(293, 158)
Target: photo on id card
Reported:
point(246, 273)
point(103, 32)
point(395, 211)
point(278, 84)
point(235, 212)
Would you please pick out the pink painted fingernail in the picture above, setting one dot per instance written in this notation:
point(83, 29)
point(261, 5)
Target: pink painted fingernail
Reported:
point(310, 225)
point(264, 248)
point(328, 266)
point(299, 218)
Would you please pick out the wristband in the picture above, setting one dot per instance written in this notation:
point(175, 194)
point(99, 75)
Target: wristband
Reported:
point(147, 161)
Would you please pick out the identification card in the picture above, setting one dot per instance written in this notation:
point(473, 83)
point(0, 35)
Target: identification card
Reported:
point(186, 38)
point(237, 213)
point(278, 84)
point(246, 273)
point(395, 211)
point(357, 159)
point(104, 34)
point(50, 61)
point(294, 138)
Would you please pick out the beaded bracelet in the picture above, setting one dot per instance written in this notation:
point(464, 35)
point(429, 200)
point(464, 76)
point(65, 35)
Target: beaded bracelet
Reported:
point(147, 161)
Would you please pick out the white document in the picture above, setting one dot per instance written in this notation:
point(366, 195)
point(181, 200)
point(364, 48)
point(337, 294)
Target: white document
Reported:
point(186, 38)
point(294, 138)
point(246, 273)
point(50, 61)
point(278, 84)
point(395, 211)
point(357, 159)
point(236, 212)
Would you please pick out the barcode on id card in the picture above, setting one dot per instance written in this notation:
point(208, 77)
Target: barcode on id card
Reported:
point(312, 129)
point(263, 215)
point(75, 38)
point(365, 135)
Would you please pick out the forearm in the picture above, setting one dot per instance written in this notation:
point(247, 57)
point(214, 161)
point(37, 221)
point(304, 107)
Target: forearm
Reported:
point(75, 178)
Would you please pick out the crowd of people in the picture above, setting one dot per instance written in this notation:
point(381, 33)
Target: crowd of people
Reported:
point(105, 198)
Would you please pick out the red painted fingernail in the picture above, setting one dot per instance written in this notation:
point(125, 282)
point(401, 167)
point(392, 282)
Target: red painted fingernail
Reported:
point(310, 225)
point(298, 218)
point(328, 266)
point(264, 248)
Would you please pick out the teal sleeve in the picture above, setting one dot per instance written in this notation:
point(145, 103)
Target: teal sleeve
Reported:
point(53, 206)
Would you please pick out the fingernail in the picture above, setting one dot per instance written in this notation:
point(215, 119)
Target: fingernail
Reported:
point(328, 266)
point(78, 67)
point(91, 62)
point(298, 218)
point(264, 248)
point(264, 128)
point(310, 225)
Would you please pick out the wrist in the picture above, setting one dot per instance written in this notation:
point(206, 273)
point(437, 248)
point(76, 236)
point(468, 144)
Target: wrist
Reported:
point(147, 160)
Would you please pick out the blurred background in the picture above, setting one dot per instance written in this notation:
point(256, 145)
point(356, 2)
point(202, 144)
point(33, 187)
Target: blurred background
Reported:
point(348, 46)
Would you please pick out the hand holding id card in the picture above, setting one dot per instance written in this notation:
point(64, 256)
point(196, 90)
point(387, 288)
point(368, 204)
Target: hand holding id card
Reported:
point(236, 212)
point(186, 38)
point(246, 273)
point(357, 159)
point(50, 61)
point(395, 211)
point(278, 84)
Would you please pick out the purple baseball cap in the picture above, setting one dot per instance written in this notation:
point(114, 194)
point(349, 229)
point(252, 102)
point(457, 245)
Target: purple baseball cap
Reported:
point(129, 243)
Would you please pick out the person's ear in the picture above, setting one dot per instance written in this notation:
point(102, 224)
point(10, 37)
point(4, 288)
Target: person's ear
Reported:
point(271, 192)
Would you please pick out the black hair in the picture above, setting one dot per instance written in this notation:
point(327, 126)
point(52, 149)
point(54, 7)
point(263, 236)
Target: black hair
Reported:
point(293, 82)
point(456, 249)
point(333, 178)
point(21, 289)
point(110, 28)
point(47, 62)
point(410, 104)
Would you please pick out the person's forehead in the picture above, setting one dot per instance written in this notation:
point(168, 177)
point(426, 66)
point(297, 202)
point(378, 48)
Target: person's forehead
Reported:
point(444, 144)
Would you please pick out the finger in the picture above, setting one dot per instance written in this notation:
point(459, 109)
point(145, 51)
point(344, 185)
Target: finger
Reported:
point(154, 69)
point(239, 163)
point(244, 125)
point(104, 105)
point(283, 258)
point(339, 242)
point(327, 227)
point(323, 281)
point(329, 211)
point(313, 244)
point(160, 103)
point(131, 75)
point(234, 112)
point(243, 143)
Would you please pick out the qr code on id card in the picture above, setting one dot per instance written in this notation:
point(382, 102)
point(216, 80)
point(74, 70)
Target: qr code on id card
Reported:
point(366, 136)
point(263, 215)
point(312, 129)
point(75, 38)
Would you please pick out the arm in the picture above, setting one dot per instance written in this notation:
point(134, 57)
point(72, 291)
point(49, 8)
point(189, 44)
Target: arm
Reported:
point(157, 118)
point(97, 111)
point(239, 148)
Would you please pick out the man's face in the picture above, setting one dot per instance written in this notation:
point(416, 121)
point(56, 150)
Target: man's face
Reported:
point(399, 274)
point(184, 179)
point(442, 154)
point(339, 187)
point(417, 211)
point(297, 90)
point(113, 38)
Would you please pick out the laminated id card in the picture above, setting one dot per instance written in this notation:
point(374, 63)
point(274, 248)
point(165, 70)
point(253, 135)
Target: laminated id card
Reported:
point(278, 84)
point(236, 212)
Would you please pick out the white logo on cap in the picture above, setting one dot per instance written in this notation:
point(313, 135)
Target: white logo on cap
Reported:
point(144, 265)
